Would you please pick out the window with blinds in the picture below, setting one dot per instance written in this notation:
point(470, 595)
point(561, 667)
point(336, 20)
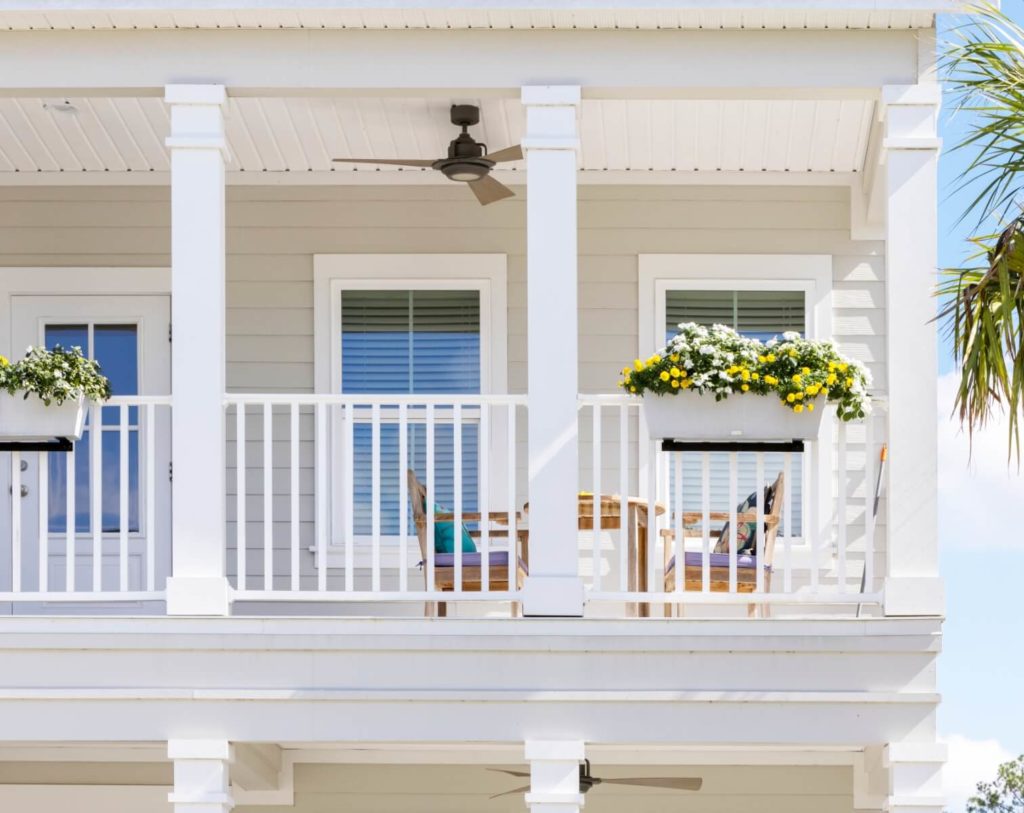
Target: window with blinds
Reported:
point(410, 342)
point(760, 315)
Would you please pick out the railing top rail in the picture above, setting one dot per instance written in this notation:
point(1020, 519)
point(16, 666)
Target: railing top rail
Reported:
point(139, 400)
point(384, 400)
point(616, 398)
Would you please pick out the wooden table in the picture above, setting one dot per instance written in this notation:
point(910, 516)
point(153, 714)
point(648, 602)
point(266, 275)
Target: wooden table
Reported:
point(637, 537)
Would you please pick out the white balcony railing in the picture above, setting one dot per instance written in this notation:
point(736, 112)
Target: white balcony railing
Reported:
point(92, 524)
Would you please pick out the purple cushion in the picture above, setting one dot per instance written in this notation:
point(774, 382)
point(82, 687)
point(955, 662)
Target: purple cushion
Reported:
point(496, 558)
point(696, 559)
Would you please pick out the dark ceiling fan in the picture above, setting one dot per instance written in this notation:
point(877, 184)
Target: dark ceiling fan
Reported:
point(588, 780)
point(468, 160)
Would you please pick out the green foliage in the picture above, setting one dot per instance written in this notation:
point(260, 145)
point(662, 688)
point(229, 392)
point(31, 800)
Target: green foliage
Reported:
point(1005, 794)
point(54, 376)
point(983, 303)
point(720, 362)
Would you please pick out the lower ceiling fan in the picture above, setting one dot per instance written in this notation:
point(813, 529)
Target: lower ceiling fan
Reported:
point(468, 160)
point(588, 780)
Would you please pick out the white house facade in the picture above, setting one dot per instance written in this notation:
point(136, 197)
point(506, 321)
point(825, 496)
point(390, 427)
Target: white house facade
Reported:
point(235, 591)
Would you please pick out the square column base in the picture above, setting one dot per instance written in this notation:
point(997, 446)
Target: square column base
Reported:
point(553, 597)
point(193, 595)
point(914, 596)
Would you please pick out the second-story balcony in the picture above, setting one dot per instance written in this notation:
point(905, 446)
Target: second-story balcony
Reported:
point(327, 500)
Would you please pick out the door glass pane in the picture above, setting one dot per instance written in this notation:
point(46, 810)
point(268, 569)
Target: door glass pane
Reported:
point(759, 315)
point(411, 342)
point(115, 347)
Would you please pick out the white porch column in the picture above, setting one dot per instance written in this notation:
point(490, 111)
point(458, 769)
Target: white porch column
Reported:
point(554, 776)
point(911, 148)
point(553, 587)
point(915, 777)
point(197, 144)
point(201, 776)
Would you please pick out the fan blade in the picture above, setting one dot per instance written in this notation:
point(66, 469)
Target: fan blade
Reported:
point(669, 782)
point(523, 789)
point(520, 774)
point(488, 190)
point(398, 162)
point(508, 154)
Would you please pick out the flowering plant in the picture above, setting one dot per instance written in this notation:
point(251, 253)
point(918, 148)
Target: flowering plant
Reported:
point(54, 376)
point(718, 361)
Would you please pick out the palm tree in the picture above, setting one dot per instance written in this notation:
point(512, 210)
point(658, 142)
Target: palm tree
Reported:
point(983, 306)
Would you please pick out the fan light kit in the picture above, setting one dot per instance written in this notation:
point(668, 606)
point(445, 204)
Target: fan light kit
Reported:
point(468, 160)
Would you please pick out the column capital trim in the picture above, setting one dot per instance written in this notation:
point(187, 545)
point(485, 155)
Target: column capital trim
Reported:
point(927, 95)
point(902, 752)
point(215, 95)
point(198, 749)
point(550, 143)
point(551, 95)
point(554, 750)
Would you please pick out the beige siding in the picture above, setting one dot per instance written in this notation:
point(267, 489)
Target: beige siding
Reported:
point(273, 233)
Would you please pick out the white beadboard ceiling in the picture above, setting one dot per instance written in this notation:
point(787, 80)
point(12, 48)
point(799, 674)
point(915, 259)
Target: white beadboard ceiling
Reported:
point(44, 15)
point(302, 134)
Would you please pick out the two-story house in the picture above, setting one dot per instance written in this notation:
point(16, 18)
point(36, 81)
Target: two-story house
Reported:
point(231, 593)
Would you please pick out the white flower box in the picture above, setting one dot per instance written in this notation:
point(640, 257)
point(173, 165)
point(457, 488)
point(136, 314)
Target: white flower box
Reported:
point(29, 419)
point(690, 416)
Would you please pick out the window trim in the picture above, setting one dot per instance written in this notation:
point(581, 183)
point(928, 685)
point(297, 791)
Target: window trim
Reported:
point(810, 273)
point(334, 273)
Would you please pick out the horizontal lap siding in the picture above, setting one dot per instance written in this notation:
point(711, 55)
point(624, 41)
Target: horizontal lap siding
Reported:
point(274, 232)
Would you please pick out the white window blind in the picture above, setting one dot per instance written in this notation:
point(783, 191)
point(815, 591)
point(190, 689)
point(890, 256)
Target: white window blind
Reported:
point(411, 342)
point(761, 315)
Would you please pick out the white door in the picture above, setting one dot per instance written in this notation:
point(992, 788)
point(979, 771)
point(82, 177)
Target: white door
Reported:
point(130, 338)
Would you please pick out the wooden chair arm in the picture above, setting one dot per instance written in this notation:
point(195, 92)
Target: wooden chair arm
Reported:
point(500, 517)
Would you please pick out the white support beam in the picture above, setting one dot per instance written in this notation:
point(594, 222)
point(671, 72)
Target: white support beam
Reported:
point(554, 776)
point(198, 147)
point(915, 777)
point(911, 146)
point(256, 766)
point(554, 587)
point(201, 776)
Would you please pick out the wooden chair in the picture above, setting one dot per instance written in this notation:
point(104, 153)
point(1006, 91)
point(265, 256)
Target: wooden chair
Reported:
point(746, 564)
point(472, 571)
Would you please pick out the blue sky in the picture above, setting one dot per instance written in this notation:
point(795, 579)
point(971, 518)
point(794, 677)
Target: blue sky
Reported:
point(982, 715)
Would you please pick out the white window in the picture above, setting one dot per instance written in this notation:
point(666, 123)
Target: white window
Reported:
point(410, 324)
point(760, 296)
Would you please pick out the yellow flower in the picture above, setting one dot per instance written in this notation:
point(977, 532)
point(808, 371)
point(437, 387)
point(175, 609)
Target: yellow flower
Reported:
point(638, 364)
point(806, 370)
point(798, 408)
point(832, 379)
point(674, 372)
point(771, 357)
point(632, 389)
point(813, 389)
point(796, 379)
point(674, 357)
point(687, 385)
point(682, 373)
point(810, 407)
point(790, 398)
point(654, 359)
point(625, 370)
point(745, 375)
point(4, 362)
point(745, 387)
point(762, 359)
point(799, 396)
point(849, 382)
point(825, 393)
point(675, 384)
point(770, 379)
point(755, 376)
point(792, 354)
point(664, 376)
point(831, 366)
point(844, 367)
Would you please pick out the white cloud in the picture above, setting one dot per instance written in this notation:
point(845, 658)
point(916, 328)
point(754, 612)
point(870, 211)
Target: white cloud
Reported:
point(970, 762)
point(979, 492)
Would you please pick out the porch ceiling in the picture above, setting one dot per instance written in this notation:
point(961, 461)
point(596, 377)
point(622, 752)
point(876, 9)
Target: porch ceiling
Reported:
point(301, 134)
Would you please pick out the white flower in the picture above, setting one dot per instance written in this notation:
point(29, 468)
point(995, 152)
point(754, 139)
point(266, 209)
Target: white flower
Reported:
point(791, 336)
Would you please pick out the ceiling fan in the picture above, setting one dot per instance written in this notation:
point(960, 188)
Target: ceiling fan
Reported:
point(588, 780)
point(468, 160)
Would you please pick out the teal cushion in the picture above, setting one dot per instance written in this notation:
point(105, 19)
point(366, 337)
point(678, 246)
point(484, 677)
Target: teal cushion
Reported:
point(444, 535)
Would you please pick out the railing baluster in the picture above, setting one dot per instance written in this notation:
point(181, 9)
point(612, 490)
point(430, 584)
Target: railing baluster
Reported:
point(268, 496)
point(321, 497)
point(403, 498)
point(513, 525)
point(869, 504)
point(375, 497)
point(457, 488)
point(733, 527)
point(122, 512)
point(293, 439)
point(623, 500)
point(759, 527)
point(349, 495)
point(841, 482)
point(653, 488)
point(679, 572)
point(483, 445)
point(812, 528)
point(96, 492)
point(70, 521)
point(705, 503)
point(596, 482)
point(16, 522)
point(44, 522)
point(787, 507)
point(241, 512)
point(149, 483)
point(429, 507)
